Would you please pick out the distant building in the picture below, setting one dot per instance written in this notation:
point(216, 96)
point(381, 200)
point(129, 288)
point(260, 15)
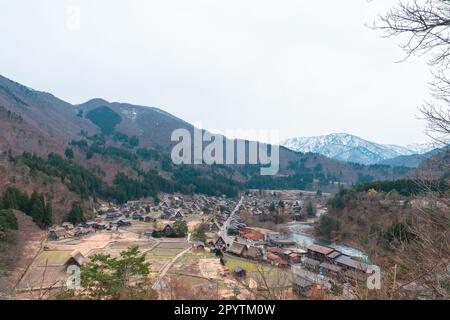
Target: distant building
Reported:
point(57, 234)
point(169, 231)
point(320, 253)
point(237, 249)
point(254, 253)
point(217, 242)
point(301, 285)
point(283, 243)
point(76, 258)
point(239, 272)
point(199, 245)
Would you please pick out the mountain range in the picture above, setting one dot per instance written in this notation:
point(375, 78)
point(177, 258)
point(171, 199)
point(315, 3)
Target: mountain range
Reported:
point(118, 152)
point(350, 148)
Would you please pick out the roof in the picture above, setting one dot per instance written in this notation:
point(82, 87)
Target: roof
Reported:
point(334, 254)
point(77, 257)
point(277, 259)
point(199, 244)
point(284, 242)
point(251, 234)
point(301, 282)
point(311, 262)
point(349, 262)
point(254, 252)
point(320, 249)
point(59, 232)
point(217, 238)
point(237, 248)
point(276, 250)
point(330, 266)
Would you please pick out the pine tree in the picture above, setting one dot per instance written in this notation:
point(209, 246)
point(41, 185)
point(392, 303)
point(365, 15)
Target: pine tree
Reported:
point(75, 215)
point(48, 218)
point(310, 210)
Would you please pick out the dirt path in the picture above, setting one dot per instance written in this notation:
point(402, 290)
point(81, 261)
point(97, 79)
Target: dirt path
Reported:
point(157, 284)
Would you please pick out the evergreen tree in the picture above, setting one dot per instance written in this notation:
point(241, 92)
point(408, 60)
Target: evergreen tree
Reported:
point(310, 210)
point(48, 217)
point(69, 153)
point(180, 227)
point(39, 211)
point(75, 215)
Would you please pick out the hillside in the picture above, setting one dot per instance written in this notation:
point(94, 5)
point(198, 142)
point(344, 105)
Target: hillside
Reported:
point(410, 161)
point(119, 151)
point(403, 226)
point(18, 251)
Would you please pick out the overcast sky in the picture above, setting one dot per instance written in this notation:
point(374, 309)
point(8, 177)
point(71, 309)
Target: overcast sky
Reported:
point(303, 67)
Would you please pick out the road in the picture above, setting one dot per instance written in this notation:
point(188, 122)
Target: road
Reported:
point(223, 230)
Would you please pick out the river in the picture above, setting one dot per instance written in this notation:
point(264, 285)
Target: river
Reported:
point(302, 234)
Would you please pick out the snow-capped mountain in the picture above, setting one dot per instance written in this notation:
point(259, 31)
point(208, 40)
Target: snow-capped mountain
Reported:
point(350, 148)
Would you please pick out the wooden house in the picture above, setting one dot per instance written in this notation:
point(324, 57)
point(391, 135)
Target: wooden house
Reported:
point(169, 231)
point(239, 272)
point(311, 264)
point(57, 234)
point(254, 253)
point(330, 270)
point(75, 259)
point(318, 252)
point(199, 245)
point(301, 285)
point(237, 249)
point(349, 264)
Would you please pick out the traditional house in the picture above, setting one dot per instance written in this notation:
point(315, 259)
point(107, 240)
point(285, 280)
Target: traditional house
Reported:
point(294, 257)
point(178, 215)
point(214, 227)
point(169, 231)
point(333, 255)
point(301, 285)
point(330, 270)
point(311, 264)
point(57, 234)
point(239, 272)
point(254, 253)
point(199, 245)
point(250, 234)
point(276, 260)
point(318, 252)
point(349, 264)
point(164, 216)
point(75, 259)
point(237, 248)
point(217, 242)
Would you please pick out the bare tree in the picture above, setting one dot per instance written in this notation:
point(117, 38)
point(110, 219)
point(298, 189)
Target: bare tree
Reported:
point(426, 25)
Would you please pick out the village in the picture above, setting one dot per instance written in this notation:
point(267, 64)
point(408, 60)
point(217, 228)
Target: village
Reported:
point(213, 244)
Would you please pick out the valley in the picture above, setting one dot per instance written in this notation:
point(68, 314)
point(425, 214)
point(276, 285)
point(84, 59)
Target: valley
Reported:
point(94, 186)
